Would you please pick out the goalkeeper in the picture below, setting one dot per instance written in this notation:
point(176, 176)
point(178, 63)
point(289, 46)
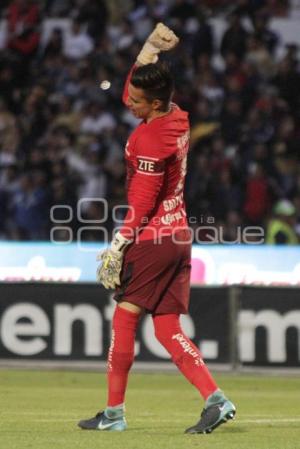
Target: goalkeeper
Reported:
point(148, 262)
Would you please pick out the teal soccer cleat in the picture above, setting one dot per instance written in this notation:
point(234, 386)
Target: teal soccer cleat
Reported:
point(213, 416)
point(102, 422)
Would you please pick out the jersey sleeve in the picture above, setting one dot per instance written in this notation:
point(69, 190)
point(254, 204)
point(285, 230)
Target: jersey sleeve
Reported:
point(125, 90)
point(145, 185)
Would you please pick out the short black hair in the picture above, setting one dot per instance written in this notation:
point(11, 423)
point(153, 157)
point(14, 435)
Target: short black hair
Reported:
point(156, 81)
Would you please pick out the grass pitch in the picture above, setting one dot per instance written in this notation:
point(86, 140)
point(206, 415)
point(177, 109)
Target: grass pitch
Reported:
point(40, 410)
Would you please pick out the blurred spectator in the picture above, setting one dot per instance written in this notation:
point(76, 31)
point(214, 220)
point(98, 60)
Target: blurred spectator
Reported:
point(259, 57)
point(292, 51)
point(78, 43)
point(203, 40)
point(198, 188)
point(34, 118)
point(210, 90)
point(287, 80)
point(183, 10)
point(3, 5)
point(63, 131)
point(63, 205)
point(257, 198)
point(89, 170)
point(231, 227)
point(30, 208)
point(7, 85)
point(23, 32)
point(54, 44)
point(263, 33)
point(235, 37)
point(95, 120)
point(3, 212)
point(9, 136)
point(226, 195)
point(93, 14)
point(67, 116)
point(9, 183)
point(281, 228)
point(231, 119)
point(58, 8)
point(23, 36)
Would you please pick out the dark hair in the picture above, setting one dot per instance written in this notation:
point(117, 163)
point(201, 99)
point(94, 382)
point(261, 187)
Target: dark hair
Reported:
point(156, 81)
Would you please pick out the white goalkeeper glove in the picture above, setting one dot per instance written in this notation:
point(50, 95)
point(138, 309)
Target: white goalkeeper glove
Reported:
point(109, 270)
point(161, 39)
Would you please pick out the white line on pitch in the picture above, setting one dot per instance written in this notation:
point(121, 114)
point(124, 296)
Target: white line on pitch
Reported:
point(271, 421)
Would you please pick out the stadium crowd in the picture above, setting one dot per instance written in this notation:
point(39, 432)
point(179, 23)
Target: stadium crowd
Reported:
point(63, 127)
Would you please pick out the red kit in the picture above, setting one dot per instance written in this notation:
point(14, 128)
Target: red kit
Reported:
point(156, 157)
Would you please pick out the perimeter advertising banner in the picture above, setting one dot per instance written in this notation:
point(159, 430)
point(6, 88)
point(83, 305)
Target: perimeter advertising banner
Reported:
point(72, 322)
point(269, 326)
point(211, 264)
point(47, 321)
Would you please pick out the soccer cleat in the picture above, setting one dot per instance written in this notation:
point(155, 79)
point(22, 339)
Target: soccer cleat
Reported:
point(101, 422)
point(213, 416)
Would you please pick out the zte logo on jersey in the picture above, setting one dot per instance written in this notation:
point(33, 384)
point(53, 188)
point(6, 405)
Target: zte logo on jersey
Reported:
point(147, 166)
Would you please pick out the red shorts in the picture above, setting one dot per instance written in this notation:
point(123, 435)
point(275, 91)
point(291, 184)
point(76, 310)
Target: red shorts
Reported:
point(156, 276)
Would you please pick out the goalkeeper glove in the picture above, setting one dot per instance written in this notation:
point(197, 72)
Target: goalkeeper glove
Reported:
point(161, 39)
point(109, 270)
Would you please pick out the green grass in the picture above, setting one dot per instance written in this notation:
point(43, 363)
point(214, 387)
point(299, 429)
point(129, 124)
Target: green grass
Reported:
point(40, 410)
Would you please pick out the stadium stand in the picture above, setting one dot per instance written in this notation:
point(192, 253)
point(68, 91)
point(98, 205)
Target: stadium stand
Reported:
point(63, 130)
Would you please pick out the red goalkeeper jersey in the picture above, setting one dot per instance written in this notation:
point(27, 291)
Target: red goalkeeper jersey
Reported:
point(156, 158)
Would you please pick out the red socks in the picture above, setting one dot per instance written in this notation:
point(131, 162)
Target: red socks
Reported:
point(121, 354)
point(184, 353)
point(168, 331)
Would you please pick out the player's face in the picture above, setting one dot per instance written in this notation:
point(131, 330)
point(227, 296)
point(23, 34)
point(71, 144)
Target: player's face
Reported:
point(138, 104)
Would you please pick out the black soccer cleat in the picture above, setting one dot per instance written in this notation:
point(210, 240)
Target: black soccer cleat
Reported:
point(102, 422)
point(213, 416)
